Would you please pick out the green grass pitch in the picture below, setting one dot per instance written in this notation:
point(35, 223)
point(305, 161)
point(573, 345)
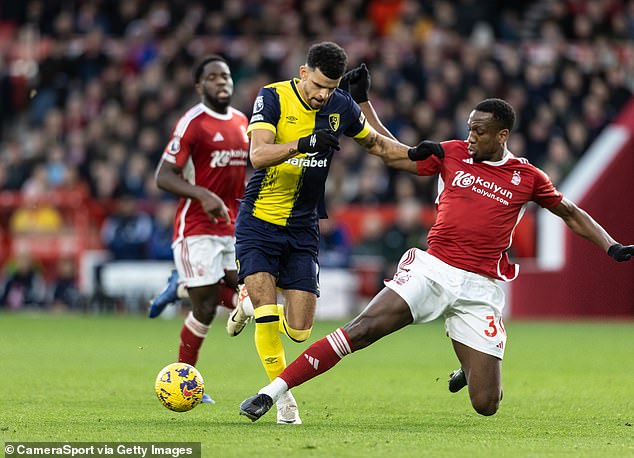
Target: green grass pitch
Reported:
point(568, 391)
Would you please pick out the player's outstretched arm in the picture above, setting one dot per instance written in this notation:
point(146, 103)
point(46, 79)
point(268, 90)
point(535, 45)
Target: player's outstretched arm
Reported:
point(265, 152)
point(584, 225)
point(393, 153)
point(398, 155)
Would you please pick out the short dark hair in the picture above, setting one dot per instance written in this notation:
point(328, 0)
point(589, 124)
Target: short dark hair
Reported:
point(328, 57)
point(197, 72)
point(502, 112)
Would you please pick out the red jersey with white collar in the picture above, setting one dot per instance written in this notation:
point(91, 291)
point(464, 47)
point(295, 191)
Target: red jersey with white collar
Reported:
point(212, 149)
point(479, 205)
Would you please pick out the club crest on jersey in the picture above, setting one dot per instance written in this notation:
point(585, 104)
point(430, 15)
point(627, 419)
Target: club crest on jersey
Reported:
point(333, 121)
point(516, 180)
point(258, 105)
point(175, 145)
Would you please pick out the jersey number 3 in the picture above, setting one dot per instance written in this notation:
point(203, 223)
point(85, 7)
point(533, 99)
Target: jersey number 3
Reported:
point(493, 330)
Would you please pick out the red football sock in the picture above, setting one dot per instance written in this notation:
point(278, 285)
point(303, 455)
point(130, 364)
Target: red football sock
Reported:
point(317, 359)
point(227, 295)
point(192, 336)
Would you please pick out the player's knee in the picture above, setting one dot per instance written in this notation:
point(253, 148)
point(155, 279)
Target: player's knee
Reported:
point(204, 315)
point(204, 310)
point(298, 335)
point(486, 404)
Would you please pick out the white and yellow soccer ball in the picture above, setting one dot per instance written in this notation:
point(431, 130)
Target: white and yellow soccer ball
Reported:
point(179, 387)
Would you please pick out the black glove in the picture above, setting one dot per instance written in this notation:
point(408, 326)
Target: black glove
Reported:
point(357, 83)
point(320, 140)
point(425, 149)
point(621, 253)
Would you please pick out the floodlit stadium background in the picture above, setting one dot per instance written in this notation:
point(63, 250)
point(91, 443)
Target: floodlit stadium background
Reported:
point(90, 91)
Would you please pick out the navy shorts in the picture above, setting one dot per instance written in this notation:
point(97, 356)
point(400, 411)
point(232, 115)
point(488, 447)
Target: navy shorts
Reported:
point(289, 254)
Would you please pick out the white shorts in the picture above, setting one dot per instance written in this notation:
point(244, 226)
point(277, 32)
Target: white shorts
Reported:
point(201, 260)
point(471, 304)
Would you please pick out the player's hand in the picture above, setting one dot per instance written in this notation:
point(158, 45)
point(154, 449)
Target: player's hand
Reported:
point(621, 253)
point(357, 83)
point(425, 149)
point(320, 140)
point(215, 208)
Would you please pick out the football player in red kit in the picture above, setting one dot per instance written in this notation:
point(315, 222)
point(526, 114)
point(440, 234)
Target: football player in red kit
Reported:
point(204, 164)
point(484, 190)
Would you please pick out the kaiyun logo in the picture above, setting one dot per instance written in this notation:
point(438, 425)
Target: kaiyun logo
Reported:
point(483, 187)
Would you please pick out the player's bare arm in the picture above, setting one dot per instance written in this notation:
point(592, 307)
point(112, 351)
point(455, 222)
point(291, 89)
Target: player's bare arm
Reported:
point(214, 206)
point(583, 224)
point(393, 153)
point(169, 178)
point(266, 153)
point(398, 161)
point(397, 155)
point(380, 137)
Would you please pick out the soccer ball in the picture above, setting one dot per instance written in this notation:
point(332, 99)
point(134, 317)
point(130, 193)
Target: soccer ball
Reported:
point(179, 387)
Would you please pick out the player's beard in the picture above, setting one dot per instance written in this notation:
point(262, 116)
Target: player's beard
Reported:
point(218, 104)
point(318, 103)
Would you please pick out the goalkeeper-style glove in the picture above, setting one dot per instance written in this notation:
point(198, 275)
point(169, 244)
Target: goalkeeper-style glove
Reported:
point(425, 149)
point(320, 140)
point(357, 83)
point(621, 253)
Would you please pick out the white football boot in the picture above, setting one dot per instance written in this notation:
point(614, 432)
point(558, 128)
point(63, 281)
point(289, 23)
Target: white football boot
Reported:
point(241, 314)
point(287, 411)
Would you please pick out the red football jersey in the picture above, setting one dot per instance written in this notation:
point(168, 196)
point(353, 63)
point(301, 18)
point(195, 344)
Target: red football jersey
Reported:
point(212, 149)
point(479, 205)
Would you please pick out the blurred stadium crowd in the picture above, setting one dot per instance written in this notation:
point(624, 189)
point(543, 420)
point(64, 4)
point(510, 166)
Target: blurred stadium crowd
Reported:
point(90, 91)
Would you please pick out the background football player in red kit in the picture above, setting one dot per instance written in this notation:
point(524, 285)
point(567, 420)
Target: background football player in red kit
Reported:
point(204, 164)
